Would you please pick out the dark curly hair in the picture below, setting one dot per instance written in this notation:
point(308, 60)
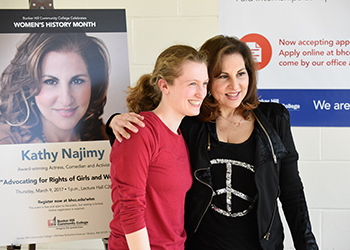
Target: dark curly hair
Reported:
point(216, 48)
point(20, 83)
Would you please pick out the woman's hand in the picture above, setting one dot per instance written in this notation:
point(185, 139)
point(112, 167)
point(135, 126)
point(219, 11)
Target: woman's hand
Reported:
point(138, 240)
point(120, 123)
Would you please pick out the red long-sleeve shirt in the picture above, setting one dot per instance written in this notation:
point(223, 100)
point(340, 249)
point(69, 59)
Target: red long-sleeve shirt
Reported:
point(150, 176)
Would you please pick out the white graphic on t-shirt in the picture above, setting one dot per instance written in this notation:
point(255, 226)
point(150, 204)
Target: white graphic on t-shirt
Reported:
point(228, 190)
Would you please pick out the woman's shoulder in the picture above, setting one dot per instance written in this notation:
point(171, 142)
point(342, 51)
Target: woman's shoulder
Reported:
point(154, 126)
point(151, 120)
point(148, 136)
point(191, 121)
point(190, 127)
point(272, 110)
point(149, 116)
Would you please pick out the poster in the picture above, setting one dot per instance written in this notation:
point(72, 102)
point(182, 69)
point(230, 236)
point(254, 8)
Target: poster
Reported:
point(303, 51)
point(53, 190)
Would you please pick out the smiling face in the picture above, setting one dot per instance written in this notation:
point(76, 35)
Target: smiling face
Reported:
point(65, 90)
point(231, 86)
point(189, 89)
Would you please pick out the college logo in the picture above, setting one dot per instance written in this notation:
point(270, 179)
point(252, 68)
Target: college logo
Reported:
point(51, 223)
point(260, 47)
point(66, 223)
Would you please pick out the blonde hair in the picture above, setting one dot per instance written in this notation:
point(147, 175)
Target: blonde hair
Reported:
point(146, 95)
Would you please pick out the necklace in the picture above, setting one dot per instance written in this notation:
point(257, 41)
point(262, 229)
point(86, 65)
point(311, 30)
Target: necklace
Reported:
point(43, 138)
point(237, 124)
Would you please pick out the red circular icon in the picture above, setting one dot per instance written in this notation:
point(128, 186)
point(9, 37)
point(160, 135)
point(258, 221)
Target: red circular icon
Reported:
point(260, 47)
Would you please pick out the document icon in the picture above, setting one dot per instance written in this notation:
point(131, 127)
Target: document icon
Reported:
point(256, 51)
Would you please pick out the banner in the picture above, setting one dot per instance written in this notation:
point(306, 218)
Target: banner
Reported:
point(64, 72)
point(310, 107)
point(300, 45)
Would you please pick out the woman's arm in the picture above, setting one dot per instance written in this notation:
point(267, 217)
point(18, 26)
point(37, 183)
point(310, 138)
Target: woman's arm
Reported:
point(292, 194)
point(129, 171)
point(117, 125)
point(138, 240)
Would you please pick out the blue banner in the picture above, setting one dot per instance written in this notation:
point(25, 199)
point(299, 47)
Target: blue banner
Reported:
point(312, 107)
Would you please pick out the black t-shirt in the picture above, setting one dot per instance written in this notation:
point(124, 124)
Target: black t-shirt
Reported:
point(230, 221)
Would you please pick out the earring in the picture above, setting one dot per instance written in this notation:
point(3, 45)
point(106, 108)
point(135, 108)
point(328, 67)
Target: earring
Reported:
point(16, 123)
point(209, 93)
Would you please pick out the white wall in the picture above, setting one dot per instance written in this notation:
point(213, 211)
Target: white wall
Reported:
point(154, 25)
point(324, 169)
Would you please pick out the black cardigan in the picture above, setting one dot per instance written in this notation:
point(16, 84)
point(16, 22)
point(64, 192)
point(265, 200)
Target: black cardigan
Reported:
point(276, 176)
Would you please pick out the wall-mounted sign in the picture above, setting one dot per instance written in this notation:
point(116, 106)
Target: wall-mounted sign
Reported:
point(297, 48)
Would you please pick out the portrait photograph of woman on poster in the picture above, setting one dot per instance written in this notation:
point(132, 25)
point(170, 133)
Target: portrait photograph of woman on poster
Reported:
point(54, 89)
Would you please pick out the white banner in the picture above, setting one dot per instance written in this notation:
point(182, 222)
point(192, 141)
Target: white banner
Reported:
point(309, 39)
point(303, 51)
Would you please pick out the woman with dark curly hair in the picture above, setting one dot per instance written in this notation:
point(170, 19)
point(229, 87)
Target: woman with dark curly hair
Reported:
point(54, 90)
